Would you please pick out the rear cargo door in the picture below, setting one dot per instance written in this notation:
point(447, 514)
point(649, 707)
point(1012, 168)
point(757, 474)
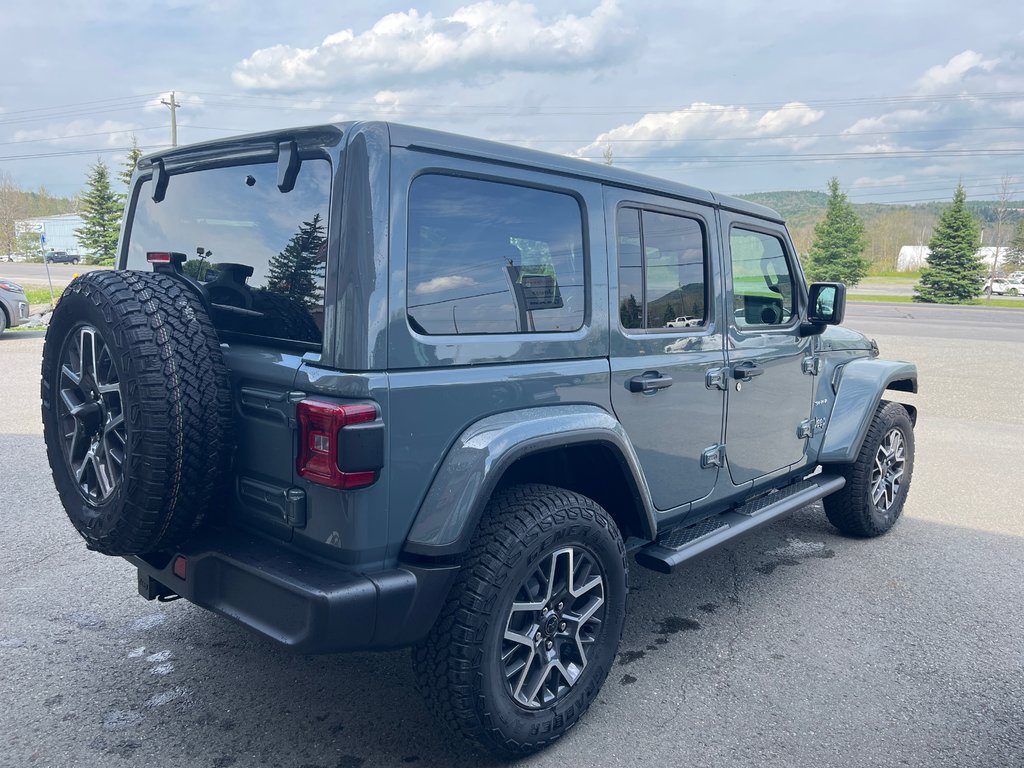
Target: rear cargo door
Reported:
point(253, 235)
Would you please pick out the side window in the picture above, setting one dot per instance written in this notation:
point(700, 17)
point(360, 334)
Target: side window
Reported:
point(662, 267)
point(487, 257)
point(763, 288)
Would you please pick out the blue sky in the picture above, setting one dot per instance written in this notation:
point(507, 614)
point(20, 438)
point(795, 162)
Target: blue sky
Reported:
point(898, 99)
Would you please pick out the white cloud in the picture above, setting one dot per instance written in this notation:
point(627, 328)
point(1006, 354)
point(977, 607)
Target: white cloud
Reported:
point(658, 130)
point(946, 77)
point(893, 121)
point(441, 284)
point(485, 38)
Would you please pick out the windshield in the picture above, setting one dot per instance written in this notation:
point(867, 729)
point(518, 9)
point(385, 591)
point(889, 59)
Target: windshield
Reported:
point(260, 253)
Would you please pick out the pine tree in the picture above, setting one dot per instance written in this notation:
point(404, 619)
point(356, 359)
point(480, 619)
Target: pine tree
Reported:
point(836, 254)
point(101, 210)
point(630, 312)
point(1014, 258)
point(130, 161)
point(297, 271)
point(954, 272)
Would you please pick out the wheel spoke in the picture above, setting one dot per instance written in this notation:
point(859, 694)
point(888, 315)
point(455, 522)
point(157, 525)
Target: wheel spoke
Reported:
point(102, 477)
point(538, 682)
point(80, 469)
point(70, 375)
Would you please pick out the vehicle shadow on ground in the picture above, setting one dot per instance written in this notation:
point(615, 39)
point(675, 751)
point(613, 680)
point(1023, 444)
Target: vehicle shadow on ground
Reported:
point(178, 685)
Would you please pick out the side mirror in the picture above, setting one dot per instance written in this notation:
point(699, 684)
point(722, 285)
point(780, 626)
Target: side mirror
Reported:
point(826, 305)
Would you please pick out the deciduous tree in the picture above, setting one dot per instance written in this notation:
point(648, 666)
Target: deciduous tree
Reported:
point(1014, 258)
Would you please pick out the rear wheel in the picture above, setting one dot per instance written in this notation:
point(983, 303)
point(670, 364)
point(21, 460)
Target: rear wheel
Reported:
point(877, 483)
point(533, 623)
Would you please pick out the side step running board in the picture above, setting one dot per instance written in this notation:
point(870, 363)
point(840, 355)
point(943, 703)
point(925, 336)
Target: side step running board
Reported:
point(681, 544)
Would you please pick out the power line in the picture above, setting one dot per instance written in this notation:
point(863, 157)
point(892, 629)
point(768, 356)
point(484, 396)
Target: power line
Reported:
point(81, 135)
point(74, 152)
point(94, 102)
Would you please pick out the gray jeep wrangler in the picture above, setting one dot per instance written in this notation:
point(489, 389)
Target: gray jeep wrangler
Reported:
point(367, 386)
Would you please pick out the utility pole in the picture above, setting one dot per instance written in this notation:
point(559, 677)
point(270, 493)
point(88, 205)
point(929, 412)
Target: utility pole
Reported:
point(174, 118)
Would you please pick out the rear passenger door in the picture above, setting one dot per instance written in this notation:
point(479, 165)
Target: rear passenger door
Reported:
point(663, 266)
point(771, 386)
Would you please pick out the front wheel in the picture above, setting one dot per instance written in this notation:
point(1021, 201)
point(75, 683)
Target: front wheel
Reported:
point(877, 483)
point(533, 623)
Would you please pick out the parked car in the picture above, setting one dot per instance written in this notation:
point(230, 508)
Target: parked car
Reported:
point(683, 322)
point(1014, 286)
point(445, 414)
point(13, 305)
point(61, 257)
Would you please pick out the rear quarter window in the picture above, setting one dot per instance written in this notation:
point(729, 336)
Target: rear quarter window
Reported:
point(487, 257)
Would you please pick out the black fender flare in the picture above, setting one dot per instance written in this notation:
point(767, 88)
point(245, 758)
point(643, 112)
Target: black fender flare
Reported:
point(476, 462)
point(862, 384)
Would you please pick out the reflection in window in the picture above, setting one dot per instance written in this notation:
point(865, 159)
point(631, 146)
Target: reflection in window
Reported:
point(762, 284)
point(486, 257)
point(259, 253)
point(661, 270)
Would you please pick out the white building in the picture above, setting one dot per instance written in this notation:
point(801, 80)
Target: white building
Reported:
point(914, 257)
point(58, 231)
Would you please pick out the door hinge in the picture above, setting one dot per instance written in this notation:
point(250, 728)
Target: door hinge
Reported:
point(713, 457)
point(811, 365)
point(810, 427)
point(717, 378)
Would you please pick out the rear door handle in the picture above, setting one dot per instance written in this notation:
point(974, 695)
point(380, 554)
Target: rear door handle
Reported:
point(746, 371)
point(649, 381)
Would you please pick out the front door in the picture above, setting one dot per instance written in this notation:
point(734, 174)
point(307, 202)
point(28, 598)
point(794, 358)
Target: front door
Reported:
point(770, 393)
point(666, 333)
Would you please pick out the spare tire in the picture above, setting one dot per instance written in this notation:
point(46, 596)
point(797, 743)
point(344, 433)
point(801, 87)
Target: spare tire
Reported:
point(136, 410)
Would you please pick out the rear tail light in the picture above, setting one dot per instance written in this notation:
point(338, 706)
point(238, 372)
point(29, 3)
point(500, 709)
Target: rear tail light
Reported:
point(166, 257)
point(321, 428)
point(180, 567)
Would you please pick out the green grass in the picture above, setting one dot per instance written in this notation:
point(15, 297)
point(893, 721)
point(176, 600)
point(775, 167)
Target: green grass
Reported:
point(1012, 303)
point(41, 295)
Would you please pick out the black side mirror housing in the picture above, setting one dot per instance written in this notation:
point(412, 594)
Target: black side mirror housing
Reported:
point(826, 305)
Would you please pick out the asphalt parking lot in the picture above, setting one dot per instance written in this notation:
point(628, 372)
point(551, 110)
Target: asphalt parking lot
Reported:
point(797, 647)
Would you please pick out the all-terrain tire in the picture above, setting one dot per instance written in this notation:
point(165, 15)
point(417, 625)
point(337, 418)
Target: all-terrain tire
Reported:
point(172, 404)
point(853, 510)
point(459, 667)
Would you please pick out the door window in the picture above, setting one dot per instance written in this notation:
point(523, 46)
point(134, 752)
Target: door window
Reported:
point(662, 268)
point(763, 286)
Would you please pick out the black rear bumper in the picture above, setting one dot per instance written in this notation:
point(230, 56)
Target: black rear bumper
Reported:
point(306, 604)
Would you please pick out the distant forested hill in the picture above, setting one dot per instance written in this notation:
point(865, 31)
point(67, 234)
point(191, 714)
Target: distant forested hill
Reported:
point(887, 226)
